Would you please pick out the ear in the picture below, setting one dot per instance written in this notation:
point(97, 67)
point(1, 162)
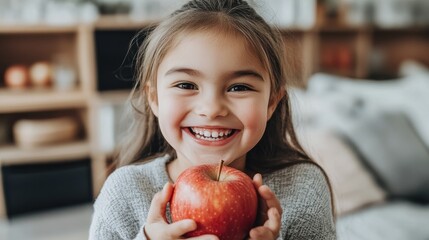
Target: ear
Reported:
point(274, 102)
point(152, 98)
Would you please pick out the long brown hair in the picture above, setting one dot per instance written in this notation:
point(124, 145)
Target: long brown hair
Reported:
point(278, 146)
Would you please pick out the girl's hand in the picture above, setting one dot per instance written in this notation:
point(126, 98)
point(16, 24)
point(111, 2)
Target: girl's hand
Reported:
point(157, 226)
point(270, 211)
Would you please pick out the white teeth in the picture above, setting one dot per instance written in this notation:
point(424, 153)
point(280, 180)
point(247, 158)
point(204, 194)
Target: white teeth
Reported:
point(210, 134)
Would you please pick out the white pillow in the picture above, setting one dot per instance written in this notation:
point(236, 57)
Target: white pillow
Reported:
point(334, 110)
point(408, 95)
point(412, 67)
point(353, 186)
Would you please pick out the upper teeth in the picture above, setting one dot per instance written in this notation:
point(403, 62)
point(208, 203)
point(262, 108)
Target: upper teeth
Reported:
point(211, 133)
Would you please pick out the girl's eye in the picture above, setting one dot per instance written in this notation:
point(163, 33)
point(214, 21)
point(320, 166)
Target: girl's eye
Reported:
point(239, 88)
point(187, 86)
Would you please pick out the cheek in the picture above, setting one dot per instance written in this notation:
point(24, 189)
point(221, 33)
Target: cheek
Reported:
point(171, 113)
point(255, 118)
point(257, 125)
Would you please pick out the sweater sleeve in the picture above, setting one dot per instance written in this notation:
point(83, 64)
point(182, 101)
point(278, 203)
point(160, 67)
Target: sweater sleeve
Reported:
point(121, 208)
point(100, 230)
point(305, 197)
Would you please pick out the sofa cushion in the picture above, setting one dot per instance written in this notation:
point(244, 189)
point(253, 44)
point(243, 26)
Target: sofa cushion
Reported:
point(341, 100)
point(394, 152)
point(352, 185)
point(393, 221)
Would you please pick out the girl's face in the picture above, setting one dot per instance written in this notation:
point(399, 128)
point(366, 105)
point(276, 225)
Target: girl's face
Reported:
point(212, 99)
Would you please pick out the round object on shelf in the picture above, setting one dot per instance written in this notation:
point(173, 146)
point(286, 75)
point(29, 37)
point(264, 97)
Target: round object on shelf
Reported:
point(39, 132)
point(41, 74)
point(16, 76)
point(65, 77)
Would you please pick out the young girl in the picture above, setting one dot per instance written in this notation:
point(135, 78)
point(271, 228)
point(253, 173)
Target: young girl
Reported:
point(212, 86)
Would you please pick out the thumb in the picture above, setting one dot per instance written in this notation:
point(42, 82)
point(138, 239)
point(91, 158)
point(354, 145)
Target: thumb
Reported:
point(159, 204)
point(179, 228)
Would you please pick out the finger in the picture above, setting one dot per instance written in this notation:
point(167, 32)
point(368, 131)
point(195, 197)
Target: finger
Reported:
point(274, 221)
point(167, 192)
point(262, 206)
point(179, 228)
point(159, 203)
point(261, 233)
point(270, 198)
point(257, 180)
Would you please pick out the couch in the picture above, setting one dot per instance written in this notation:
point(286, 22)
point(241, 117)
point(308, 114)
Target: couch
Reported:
point(372, 139)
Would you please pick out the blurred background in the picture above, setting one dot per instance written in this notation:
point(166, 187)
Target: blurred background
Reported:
point(359, 82)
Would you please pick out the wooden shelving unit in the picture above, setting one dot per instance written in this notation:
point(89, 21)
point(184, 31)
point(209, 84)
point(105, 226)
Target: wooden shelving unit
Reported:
point(22, 44)
point(12, 154)
point(342, 50)
point(37, 28)
point(12, 101)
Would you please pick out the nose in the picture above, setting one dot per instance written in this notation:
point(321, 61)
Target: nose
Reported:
point(211, 106)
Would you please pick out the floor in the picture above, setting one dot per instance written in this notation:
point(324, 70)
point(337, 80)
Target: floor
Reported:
point(70, 223)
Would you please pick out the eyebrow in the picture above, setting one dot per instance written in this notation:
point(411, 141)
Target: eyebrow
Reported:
point(242, 73)
point(189, 71)
point(235, 74)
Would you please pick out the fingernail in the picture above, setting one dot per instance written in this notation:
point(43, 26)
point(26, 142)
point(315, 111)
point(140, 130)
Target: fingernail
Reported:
point(275, 212)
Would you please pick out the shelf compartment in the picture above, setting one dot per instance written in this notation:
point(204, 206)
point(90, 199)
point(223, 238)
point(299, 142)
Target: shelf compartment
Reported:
point(12, 101)
point(338, 53)
point(12, 154)
point(23, 47)
point(48, 185)
point(36, 28)
point(115, 97)
point(115, 53)
point(19, 48)
point(391, 47)
point(108, 110)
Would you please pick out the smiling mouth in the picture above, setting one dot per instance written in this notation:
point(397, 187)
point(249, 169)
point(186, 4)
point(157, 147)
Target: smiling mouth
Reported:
point(212, 134)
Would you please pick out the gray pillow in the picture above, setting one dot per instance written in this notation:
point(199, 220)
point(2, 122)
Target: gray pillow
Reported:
point(393, 151)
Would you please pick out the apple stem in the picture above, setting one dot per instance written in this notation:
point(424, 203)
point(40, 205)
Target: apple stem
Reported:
point(220, 169)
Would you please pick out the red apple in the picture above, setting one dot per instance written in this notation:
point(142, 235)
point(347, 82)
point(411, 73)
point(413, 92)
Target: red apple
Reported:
point(223, 203)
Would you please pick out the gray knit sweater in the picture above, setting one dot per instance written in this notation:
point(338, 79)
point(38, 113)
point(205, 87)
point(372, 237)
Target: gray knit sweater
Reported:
point(122, 206)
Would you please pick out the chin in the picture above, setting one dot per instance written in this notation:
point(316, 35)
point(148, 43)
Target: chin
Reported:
point(199, 159)
point(214, 158)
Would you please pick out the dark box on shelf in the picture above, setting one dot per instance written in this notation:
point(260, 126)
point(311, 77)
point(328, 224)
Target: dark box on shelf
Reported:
point(115, 57)
point(35, 187)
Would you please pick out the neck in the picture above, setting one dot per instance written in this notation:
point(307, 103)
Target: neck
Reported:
point(174, 169)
